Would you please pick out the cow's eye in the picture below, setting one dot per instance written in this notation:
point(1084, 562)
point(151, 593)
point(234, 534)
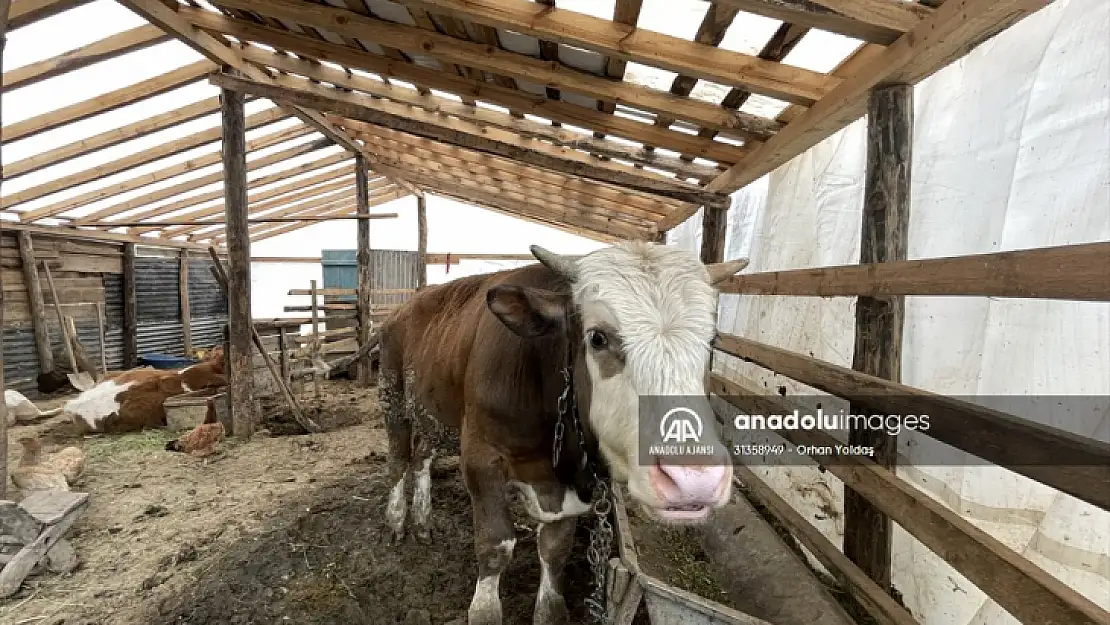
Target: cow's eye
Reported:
point(597, 339)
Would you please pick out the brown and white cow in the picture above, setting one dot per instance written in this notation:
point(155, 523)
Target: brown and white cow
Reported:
point(132, 400)
point(487, 355)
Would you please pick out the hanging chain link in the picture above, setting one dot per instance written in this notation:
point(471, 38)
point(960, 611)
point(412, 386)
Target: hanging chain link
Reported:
point(597, 554)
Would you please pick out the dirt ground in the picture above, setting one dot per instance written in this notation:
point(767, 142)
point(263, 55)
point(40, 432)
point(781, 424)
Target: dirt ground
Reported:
point(283, 529)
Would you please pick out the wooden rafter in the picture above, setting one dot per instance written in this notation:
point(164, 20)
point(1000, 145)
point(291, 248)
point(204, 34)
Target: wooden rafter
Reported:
point(625, 13)
point(688, 58)
point(460, 132)
point(934, 43)
point(874, 21)
point(108, 102)
point(164, 150)
point(464, 87)
point(108, 48)
point(445, 49)
point(95, 219)
point(175, 170)
point(24, 12)
point(524, 127)
point(168, 20)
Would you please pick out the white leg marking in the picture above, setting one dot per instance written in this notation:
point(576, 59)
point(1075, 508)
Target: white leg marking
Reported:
point(485, 607)
point(395, 509)
point(572, 505)
point(422, 494)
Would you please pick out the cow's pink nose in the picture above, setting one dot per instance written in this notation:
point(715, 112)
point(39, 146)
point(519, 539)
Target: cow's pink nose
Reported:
point(681, 485)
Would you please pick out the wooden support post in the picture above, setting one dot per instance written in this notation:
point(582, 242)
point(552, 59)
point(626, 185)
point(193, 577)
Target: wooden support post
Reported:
point(714, 225)
point(5, 6)
point(240, 360)
point(183, 290)
point(130, 309)
point(315, 337)
point(365, 275)
point(661, 237)
point(878, 345)
point(100, 328)
point(422, 242)
point(283, 344)
point(62, 329)
point(34, 298)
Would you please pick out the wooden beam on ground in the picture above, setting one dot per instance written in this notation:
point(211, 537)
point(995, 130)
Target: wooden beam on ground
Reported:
point(112, 137)
point(467, 88)
point(403, 145)
point(240, 359)
point(130, 309)
point(479, 115)
point(426, 124)
point(183, 298)
point(24, 12)
point(218, 51)
point(35, 301)
point(1069, 272)
point(365, 271)
point(421, 243)
point(1073, 464)
point(949, 33)
point(179, 169)
point(108, 48)
point(640, 46)
point(492, 59)
point(874, 21)
point(868, 533)
point(145, 157)
point(107, 102)
point(191, 185)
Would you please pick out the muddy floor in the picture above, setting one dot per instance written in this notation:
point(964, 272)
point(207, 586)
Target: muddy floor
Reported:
point(282, 529)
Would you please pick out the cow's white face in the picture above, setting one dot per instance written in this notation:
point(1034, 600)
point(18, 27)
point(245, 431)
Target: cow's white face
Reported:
point(647, 314)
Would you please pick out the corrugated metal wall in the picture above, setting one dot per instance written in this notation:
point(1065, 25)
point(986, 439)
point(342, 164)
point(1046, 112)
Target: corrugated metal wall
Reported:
point(159, 329)
point(390, 269)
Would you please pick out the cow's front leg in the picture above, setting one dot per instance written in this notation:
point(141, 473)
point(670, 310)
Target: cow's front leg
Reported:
point(493, 537)
point(422, 490)
point(555, 541)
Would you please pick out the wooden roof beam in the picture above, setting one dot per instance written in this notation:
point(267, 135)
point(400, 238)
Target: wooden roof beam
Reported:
point(168, 20)
point(334, 209)
point(308, 198)
point(465, 88)
point(874, 21)
point(378, 137)
point(628, 43)
point(524, 127)
point(94, 219)
point(145, 157)
point(949, 33)
point(24, 12)
point(627, 13)
point(107, 102)
point(459, 132)
point(179, 169)
point(331, 200)
point(95, 52)
point(448, 49)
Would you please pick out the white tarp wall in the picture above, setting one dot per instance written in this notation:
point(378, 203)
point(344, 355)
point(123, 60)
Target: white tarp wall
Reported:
point(1011, 151)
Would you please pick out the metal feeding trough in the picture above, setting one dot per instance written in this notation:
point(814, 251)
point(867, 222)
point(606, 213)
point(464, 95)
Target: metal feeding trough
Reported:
point(186, 411)
point(666, 604)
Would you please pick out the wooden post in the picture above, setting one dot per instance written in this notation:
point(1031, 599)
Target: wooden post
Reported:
point(422, 242)
point(239, 356)
point(5, 5)
point(714, 225)
point(878, 344)
point(100, 328)
point(34, 298)
point(661, 237)
point(315, 336)
point(183, 290)
point(365, 276)
point(62, 329)
point(130, 309)
point(284, 345)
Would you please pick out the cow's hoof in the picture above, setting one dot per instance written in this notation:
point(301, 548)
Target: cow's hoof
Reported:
point(422, 536)
point(551, 610)
point(392, 537)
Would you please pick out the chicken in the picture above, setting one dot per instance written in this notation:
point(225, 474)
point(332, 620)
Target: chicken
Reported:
point(56, 471)
point(199, 442)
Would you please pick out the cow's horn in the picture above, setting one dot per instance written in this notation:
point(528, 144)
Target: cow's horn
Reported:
point(722, 271)
point(562, 265)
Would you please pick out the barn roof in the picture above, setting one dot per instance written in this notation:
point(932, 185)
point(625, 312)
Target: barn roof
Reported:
point(609, 119)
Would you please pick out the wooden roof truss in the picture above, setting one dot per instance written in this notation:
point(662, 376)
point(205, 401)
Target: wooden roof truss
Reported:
point(518, 106)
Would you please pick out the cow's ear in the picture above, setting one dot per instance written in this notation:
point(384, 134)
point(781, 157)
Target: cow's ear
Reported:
point(529, 312)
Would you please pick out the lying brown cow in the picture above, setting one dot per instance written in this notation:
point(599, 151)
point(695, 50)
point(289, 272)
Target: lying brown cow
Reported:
point(498, 355)
point(132, 400)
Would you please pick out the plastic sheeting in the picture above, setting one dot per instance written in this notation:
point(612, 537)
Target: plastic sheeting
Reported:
point(1011, 151)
